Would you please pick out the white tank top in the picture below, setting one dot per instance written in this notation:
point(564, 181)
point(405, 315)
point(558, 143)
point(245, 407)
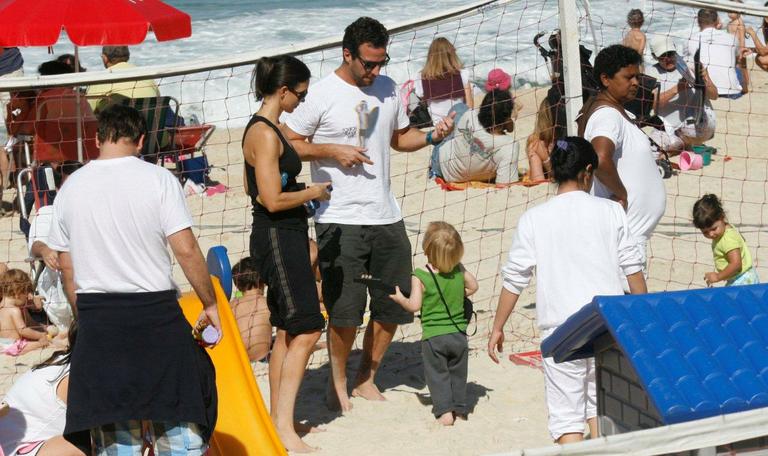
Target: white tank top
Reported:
point(36, 413)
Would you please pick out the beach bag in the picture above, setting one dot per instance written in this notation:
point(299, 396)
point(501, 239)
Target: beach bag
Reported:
point(415, 107)
point(469, 307)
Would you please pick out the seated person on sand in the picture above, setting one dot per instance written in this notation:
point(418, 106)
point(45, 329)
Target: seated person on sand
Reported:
point(761, 47)
point(17, 336)
point(443, 81)
point(686, 121)
point(49, 286)
point(250, 310)
point(540, 143)
point(36, 408)
point(115, 58)
point(480, 149)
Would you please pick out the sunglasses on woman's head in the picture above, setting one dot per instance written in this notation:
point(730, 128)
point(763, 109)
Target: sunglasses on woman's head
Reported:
point(370, 66)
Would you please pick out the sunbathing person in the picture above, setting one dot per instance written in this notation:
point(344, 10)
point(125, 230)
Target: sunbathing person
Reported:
point(480, 149)
point(37, 404)
point(17, 336)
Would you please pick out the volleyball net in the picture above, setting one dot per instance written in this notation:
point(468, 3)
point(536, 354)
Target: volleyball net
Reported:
point(487, 35)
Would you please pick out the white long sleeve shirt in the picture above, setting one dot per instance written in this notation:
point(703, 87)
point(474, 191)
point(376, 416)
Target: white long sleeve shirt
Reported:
point(577, 243)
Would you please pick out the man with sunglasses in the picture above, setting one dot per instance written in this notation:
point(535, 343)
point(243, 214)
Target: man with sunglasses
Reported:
point(686, 121)
point(351, 118)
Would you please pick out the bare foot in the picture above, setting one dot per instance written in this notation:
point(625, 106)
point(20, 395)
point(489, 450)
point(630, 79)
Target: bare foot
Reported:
point(367, 390)
point(293, 442)
point(306, 428)
point(337, 401)
point(446, 419)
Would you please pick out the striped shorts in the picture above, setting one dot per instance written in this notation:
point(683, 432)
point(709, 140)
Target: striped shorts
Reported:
point(149, 438)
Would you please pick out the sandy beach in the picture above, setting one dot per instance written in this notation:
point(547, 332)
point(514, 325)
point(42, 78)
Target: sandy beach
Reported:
point(509, 410)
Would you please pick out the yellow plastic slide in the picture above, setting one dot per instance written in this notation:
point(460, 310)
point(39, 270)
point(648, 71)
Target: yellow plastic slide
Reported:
point(244, 427)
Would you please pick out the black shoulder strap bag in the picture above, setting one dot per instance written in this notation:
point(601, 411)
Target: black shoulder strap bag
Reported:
point(469, 310)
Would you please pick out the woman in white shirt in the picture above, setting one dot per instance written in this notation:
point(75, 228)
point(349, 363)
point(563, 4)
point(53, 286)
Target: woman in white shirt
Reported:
point(575, 242)
point(33, 413)
point(443, 81)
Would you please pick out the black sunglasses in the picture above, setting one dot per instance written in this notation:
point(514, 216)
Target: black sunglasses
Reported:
point(668, 55)
point(300, 95)
point(370, 66)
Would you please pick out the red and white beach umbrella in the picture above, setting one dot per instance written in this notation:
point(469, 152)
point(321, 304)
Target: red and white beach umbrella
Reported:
point(89, 23)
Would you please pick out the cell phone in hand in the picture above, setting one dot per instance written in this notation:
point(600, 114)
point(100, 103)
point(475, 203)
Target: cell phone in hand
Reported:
point(376, 283)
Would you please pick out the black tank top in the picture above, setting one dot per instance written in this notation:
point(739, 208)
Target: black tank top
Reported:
point(289, 163)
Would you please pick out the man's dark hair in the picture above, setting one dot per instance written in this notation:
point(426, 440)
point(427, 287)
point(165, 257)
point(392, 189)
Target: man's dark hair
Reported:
point(706, 17)
point(54, 67)
point(116, 54)
point(118, 121)
point(364, 30)
point(612, 59)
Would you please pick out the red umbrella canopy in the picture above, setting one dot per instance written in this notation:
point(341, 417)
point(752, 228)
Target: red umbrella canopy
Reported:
point(89, 22)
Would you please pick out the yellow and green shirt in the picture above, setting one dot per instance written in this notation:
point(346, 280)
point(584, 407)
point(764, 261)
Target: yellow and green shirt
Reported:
point(730, 240)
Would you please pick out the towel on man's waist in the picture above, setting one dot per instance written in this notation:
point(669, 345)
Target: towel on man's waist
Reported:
point(135, 359)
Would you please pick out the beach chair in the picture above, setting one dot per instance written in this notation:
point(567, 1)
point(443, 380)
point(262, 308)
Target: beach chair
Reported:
point(51, 137)
point(156, 112)
point(187, 158)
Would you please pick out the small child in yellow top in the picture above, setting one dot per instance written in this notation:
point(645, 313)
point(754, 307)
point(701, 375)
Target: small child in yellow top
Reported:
point(729, 249)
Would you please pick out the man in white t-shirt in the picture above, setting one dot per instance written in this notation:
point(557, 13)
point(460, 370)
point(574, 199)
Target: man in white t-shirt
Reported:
point(686, 121)
point(136, 365)
point(627, 170)
point(718, 51)
point(351, 118)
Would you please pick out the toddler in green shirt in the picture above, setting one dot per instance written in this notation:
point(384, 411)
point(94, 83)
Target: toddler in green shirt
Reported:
point(729, 249)
point(439, 293)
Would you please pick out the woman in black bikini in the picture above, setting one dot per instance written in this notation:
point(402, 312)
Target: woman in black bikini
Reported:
point(279, 238)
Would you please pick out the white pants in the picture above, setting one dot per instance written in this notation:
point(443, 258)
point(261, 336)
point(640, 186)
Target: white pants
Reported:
point(571, 395)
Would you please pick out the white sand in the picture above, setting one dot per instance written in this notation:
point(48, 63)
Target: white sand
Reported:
point(509, 405)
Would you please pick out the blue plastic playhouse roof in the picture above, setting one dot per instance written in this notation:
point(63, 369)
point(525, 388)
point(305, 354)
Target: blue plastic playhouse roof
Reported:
point(698, 353)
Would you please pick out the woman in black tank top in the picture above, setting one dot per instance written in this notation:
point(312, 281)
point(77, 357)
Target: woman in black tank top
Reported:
point(279, 239)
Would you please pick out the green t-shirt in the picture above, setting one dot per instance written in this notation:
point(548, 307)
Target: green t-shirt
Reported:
point(730, 240)
point(435, 321)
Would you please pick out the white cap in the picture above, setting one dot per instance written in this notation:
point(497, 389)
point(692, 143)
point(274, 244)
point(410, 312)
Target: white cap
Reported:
point(661, 45)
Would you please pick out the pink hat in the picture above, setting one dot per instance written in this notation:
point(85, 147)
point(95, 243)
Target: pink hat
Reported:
point(498, 79)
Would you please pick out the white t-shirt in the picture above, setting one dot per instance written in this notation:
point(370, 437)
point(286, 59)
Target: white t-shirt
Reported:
point(637, 169)
point(576, 243)
point(440, 108)
point(49, 285)
point(718, 55)
point(36, 412)
point(335, 112)
point(114, 217)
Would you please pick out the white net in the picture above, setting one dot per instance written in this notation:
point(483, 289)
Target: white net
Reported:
point(496, 35)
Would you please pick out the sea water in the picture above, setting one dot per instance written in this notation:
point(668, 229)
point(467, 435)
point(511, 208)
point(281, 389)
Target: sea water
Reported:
point(500, 37)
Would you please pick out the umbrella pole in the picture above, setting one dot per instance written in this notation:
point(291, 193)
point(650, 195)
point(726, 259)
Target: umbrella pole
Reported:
point(78, 113)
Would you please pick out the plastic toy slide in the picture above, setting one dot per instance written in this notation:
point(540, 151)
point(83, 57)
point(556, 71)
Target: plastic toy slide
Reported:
point(244, 427)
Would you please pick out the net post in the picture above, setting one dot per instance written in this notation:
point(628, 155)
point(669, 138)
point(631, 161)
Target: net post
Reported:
point(569, 40)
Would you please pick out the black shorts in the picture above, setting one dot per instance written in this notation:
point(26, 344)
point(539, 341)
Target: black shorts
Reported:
point(347, 251)
point(282, 259)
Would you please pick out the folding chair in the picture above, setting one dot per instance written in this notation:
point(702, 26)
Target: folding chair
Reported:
point(54, 138)
point(156, 112)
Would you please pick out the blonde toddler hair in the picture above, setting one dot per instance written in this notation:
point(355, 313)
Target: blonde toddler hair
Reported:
point(443, 247)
